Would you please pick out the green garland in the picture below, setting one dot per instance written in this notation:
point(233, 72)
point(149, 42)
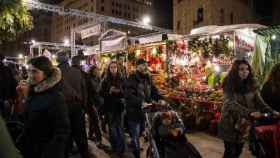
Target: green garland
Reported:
point(209, 48)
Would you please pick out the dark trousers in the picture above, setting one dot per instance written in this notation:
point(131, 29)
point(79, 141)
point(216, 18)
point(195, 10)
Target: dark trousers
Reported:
point(116, 132)
point(78, 130)
point(233, 150)
point(94, 127)
point(134, 129)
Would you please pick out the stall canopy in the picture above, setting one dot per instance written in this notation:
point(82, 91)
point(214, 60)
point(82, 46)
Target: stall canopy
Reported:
point(214, 29)
point(113, 40)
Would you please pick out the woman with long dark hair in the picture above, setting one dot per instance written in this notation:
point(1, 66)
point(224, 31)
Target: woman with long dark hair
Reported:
point(112, 92)
point(271, 89)
point(241, 101)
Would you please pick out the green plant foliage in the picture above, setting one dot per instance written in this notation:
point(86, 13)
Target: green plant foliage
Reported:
point(14, 19)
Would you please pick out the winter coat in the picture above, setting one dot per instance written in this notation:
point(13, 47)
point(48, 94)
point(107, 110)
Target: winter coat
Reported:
point(238, 107)
point(74, 85)
point(113, 103)
point(139, 89)
point(7, 148)
point(7, 83)
point(93, 88)
point(270, 97)
point(47, 126)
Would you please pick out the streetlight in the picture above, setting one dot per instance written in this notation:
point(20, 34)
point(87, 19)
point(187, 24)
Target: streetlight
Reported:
point(20, 56)
point(33, 41)
point(66, 42)
point(273, 37)
point(146, 20)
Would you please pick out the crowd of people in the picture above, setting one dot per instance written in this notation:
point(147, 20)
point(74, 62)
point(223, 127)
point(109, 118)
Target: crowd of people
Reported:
point(52, 103)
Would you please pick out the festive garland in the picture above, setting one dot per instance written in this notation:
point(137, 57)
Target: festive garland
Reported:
point(210, 47)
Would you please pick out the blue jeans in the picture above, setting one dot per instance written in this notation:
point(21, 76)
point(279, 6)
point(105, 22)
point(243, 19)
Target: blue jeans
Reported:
point(134, 132)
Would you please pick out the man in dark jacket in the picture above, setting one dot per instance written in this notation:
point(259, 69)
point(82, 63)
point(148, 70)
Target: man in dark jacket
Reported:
point(7, 86)
point(139, 91)
point(74, 90)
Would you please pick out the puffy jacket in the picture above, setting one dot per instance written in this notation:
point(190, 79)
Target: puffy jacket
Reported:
point(47, 126)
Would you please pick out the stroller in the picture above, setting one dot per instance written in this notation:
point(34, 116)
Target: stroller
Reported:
point(265, 137)
point(154, 149)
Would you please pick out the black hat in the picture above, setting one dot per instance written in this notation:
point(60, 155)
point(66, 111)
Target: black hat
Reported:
point(140, 62)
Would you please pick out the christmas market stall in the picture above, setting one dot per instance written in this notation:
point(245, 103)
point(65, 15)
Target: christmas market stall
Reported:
point(198, 65)
point(154, 49)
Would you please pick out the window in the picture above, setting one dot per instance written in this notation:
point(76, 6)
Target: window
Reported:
point(222, 16)
point(231, 18)
point(113, 3)
point(113, 11)
point(178, 25)
point(102, 9)
point(178, 1)
point(200, 15)
point(102, 1)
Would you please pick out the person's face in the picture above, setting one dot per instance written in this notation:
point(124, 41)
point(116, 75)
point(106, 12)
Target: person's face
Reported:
point(243, 71)
point(113, 69)
point(35, 75)
point(142, 68)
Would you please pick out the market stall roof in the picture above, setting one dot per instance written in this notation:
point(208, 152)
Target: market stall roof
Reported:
point(156, 37)
point(214, 29)
point(268, 31)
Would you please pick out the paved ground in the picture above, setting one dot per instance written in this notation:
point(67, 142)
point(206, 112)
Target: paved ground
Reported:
point(208, 146)
point(211, 147)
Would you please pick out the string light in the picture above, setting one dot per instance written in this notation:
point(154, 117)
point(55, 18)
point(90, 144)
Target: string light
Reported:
point(217, 68)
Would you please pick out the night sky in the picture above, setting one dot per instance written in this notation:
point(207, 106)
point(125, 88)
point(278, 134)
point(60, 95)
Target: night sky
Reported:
point(162, 13)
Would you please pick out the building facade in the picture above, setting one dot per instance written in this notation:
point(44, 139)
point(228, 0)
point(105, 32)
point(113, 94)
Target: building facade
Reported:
point(131, 10)
point(189, 14)
point(276, 12)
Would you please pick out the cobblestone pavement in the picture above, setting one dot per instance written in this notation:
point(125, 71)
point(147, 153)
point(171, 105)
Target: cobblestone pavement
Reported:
point(208, 146)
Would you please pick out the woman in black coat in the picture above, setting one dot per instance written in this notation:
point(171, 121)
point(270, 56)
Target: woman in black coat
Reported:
point(271, 89)
point(46, 121)
point(111, 91)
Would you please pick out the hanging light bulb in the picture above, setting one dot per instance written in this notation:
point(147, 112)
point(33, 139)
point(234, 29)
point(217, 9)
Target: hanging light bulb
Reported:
point(217, 68)
point(138, 52)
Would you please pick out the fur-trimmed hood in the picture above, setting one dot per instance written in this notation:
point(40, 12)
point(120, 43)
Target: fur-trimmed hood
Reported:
point(49, 82)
